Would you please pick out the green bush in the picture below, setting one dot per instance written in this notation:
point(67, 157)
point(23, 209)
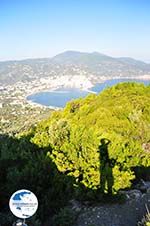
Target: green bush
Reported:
point(89, 148)
point(120, 114)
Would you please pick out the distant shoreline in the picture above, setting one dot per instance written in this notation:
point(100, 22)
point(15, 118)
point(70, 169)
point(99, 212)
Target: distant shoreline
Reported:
point(35, 104)
point(54, 90)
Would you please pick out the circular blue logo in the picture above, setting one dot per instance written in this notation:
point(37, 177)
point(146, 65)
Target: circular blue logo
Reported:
point(23, 204)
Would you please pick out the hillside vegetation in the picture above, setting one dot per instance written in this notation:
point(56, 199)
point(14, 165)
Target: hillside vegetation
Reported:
point(116, 122)
point(96, 145)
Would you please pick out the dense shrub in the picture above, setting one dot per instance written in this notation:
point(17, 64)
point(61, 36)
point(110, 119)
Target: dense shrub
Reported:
point(25, 166)
point(90, 148)
point(119, 114)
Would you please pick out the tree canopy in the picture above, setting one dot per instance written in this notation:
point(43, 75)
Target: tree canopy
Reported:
point(121, 114)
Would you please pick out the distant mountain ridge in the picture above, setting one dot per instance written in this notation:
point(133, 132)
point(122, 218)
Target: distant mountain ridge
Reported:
point(71, 63)
point(94, 57)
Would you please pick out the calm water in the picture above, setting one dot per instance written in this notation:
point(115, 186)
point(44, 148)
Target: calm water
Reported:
point(100, 87)
point(57, 98)
point(60, 97)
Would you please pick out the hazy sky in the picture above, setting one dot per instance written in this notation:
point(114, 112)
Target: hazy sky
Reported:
point(43, 28)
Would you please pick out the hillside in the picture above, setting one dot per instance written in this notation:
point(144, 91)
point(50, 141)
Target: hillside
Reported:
point(120, 115)
point(81, 58)
point(96, 60)
point(89, 151)
point(71, 63)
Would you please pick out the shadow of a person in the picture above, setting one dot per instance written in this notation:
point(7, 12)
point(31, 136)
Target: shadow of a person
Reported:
point(106, 175)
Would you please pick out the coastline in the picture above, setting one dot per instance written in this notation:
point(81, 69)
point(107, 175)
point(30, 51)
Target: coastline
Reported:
point(35, 104)
point(82, 88)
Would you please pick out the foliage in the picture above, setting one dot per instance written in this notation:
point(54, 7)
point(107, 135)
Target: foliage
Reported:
point(24, 165)
point(90, 148)
point(120, 114)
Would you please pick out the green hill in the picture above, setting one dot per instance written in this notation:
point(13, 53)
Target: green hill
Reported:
point(91, 149)
point(77, 136)
point(71, 63)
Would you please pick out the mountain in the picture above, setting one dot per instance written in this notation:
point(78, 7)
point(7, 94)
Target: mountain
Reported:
point(71, 63)
point(98, 60)
point(81, 58)
point(131, 61)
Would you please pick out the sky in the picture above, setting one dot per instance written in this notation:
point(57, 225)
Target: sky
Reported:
point(44, 28)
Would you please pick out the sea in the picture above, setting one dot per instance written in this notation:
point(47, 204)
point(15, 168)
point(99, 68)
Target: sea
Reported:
point(59, 97)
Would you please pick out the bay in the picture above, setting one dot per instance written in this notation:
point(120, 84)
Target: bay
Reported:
point(59, 97)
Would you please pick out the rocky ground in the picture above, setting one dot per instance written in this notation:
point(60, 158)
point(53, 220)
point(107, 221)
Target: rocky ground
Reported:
point(126, 214)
